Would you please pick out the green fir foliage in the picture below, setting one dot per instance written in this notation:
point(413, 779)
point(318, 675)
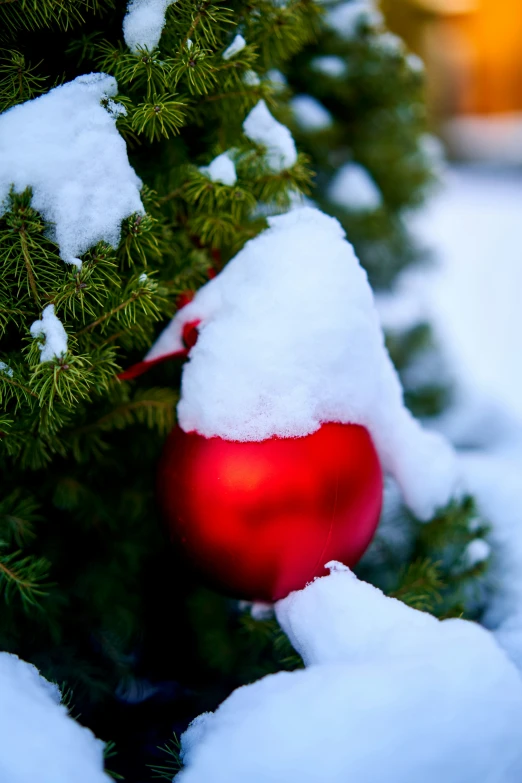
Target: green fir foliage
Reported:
point(427, 566)
point(379, 122)
point(185, 104)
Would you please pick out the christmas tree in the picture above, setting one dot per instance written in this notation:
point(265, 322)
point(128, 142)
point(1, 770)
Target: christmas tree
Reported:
point(155, 149)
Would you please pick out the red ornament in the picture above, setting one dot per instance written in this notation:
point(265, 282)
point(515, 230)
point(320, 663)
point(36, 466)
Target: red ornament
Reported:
point(260, 519)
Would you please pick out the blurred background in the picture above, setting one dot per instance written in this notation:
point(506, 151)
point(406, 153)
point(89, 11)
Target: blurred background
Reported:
point(472, 50)
point(473, 56)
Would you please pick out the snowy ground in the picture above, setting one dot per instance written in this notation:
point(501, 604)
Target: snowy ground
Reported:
point(475, 293)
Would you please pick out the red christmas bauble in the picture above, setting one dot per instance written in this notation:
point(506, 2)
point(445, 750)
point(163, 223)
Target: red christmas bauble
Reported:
point(260, 519)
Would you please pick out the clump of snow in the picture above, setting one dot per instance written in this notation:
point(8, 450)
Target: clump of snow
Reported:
point(389, 693)
point(38, 740)
point(237, 45)
point(476, 552)
point(347, 18)
point(6, 370)
point(51, 328)
point(221, 169)
point(310, 114)
point(329, 65)
point(65, 146)
point(251, 79)
point(276, 79)
point(144, 22)
point(415, 63)
point(390, 43)
point(263, 129)
point(353, 188)
point(289, 339)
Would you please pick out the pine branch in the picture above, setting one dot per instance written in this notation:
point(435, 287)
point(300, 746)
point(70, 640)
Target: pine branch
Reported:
point(127, 308)
point(6, 379)
point(18, 513)
point(153, 407)
point(172, 764)
point(28, 265)
point(16, 15)
point(420, 585)
point(109, 752)
point(19, 81)
point(23, 576)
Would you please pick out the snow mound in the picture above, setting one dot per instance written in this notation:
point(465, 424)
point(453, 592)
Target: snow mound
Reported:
point(494, 479)
point(237, 45)
point(354, 189)
point(289, 339)
point(310, 115)
point(263, 129)
point(144, 22)
point(221, 169)
point(65, 146)
point(38, 740)
point(51, 328)
point(390, 693)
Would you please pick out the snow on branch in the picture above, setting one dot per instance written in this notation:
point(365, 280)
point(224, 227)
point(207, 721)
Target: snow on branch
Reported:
point(310, 114)
point(347, 18)
point(65, 146)
point(221, 169)
point(353, 188)
point(51, 329)
point(329, 65)
point(6, 370)
point(237, 45)
point(261, 128)
point(144, 22)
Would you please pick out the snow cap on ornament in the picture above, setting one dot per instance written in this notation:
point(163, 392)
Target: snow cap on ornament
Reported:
point(289, 339)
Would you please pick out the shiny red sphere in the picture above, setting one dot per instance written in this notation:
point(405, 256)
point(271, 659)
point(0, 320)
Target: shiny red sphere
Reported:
point(261, 519)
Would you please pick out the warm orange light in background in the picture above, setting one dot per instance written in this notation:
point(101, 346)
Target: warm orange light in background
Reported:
point(472, 48)
point(495, 31)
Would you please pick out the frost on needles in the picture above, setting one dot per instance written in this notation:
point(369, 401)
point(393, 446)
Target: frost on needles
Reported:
point(65, 146)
